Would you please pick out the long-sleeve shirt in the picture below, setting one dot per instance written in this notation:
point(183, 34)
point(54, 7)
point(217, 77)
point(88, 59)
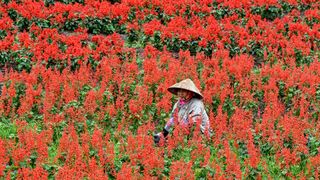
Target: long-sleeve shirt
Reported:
point(193, 109)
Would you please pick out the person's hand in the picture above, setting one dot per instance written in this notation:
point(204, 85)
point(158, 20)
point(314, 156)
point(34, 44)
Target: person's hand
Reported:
point(157, 137)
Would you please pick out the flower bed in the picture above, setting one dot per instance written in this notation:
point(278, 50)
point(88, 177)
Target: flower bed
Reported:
point(85, 86)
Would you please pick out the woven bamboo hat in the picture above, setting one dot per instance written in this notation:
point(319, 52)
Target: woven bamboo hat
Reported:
point(186, 84)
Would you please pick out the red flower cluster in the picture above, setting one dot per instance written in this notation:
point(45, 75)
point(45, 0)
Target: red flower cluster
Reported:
point(84, 88)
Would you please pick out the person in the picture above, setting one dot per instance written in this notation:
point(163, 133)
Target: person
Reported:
point(188, 109)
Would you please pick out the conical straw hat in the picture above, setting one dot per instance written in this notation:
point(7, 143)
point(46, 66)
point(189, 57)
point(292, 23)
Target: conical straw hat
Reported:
point(186, 84)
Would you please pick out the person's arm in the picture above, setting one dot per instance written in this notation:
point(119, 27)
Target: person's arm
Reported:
point(170, 122)
point(167, 127)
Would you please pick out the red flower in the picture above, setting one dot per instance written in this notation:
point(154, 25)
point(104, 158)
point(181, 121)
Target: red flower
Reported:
point(151, 27)
point(3, 157)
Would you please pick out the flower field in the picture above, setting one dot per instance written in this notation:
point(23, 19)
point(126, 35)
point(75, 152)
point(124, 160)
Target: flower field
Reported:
point(84, 88)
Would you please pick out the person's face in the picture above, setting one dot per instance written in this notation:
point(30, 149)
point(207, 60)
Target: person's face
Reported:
point(184, 94)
